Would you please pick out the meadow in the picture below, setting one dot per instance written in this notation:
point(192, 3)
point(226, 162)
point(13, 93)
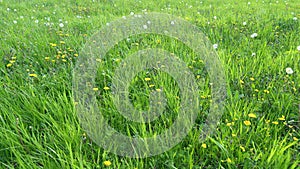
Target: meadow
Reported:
point(258, 43)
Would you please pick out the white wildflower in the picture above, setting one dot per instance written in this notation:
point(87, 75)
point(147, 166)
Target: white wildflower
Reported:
point(289, 70)
point(215, 46)
point(254, 35)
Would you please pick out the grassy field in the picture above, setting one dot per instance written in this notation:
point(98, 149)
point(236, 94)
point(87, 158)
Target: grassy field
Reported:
point(258, 43)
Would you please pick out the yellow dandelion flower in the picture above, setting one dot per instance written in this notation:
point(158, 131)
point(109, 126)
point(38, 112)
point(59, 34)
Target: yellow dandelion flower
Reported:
point(252, 79)
point(53, 44)
point(62, 42)
point(275, 122)
point(158, 90)
point(242, 82)
point(33, 75)
point(47, 58)
point(106, 88)
point(198, 76)
point(228, 160)
point(247, 122)
point(282, 118)
point(107, 163)
point(252, 115)
point(233, 135)
point(243, 148)
point(75, 54)
point(151, 85)
point(64, 60)
point(204, 145)
point(158, 41)
point(267, 91)
point(203, 97)
point(256, 90)
point(295, 139)
point(228, 124)
point(9, 65)
point(95, 89)
point(147, 79)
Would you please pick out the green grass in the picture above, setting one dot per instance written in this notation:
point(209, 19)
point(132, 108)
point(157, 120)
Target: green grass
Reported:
point(39, 125)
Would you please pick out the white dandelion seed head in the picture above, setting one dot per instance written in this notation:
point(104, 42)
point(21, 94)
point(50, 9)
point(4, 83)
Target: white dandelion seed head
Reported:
point(215, 46)
point(15, 22)
point(215, 17)
point(36, 21)
point(295, 18)
point(254, 35)
point(145, 26)
point(253, 54)
point(244, 23)
point(289, 70)
point(298, 48)
point(61, 25)
point(172, 22)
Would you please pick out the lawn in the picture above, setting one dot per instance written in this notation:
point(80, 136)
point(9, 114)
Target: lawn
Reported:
point(254, 52)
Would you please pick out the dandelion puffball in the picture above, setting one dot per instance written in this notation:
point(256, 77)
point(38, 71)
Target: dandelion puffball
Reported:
point(289, 70)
